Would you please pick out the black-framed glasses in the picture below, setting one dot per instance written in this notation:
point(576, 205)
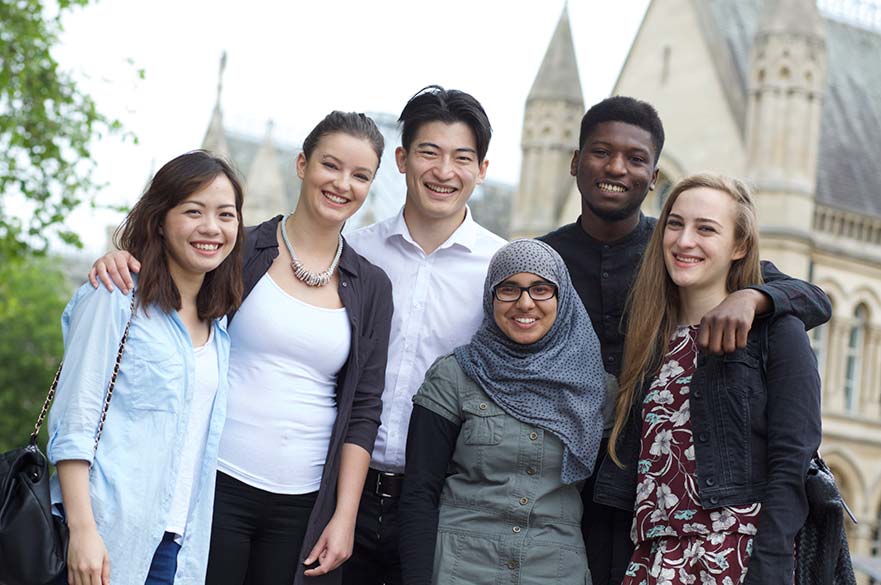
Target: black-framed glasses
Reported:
point(509, 293)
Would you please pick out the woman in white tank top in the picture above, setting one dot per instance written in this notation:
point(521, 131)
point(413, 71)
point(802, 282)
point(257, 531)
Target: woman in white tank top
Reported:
point(307, 365)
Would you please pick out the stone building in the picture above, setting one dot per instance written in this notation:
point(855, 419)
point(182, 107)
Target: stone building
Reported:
point(788, 96)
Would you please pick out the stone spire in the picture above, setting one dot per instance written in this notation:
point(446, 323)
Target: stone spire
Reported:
point(557, 77)
point(266, 188)
point(215, 136)
point(792, 17)
point(550, 134)
point(787, 82)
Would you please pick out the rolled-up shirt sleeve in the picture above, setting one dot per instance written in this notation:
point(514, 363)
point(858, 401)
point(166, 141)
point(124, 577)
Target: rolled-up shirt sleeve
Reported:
point(92, 325)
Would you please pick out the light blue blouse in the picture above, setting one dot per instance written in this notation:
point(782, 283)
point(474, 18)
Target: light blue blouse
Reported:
point(134, 469)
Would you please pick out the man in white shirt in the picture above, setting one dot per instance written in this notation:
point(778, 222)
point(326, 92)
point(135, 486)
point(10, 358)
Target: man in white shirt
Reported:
point(436, 256)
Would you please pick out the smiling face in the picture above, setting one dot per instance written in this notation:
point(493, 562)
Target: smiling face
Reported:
point(525, 321)
point(336, 177)
point(699, 240)
point(614, 169)
point(200, 231)
point(441, 171)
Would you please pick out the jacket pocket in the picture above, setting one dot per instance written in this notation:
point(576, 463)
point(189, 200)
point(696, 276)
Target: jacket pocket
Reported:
point(484, 423)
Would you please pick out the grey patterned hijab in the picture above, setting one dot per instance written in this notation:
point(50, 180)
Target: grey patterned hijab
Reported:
point(556, 383)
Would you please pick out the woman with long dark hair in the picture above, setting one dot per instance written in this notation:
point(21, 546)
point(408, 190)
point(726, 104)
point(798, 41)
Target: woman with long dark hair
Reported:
point(712, 451)
point(138, 501)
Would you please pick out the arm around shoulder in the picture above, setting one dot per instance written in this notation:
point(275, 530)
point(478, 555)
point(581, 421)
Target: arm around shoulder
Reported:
point(791, 296)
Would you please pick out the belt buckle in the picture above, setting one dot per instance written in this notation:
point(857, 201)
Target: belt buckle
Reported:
point(378, 487)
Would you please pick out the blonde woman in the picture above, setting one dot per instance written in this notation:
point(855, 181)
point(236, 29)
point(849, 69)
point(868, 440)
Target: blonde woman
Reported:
point(711, 451)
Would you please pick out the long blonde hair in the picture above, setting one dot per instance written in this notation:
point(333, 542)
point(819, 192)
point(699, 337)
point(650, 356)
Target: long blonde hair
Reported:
point(653, 305)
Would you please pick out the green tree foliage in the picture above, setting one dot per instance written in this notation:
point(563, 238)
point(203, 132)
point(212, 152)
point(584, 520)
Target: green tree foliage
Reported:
point(33, 293)
point(46, 125)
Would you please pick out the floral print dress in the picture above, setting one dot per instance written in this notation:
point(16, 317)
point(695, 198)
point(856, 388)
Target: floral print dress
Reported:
point(677, 540)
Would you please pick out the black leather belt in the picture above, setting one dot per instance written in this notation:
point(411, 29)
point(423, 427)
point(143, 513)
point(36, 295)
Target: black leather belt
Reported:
point(384, 484)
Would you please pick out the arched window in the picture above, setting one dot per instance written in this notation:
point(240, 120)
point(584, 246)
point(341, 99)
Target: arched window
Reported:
point(662, 189)
point(820, 344)
point(854, 358)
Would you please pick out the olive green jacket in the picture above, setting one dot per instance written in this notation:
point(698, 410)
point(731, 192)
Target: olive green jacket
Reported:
point(505, 516)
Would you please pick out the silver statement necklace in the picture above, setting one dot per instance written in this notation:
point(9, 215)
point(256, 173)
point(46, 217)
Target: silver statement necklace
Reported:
point(300, 271)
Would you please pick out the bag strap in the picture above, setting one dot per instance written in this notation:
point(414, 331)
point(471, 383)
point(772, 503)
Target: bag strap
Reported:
point(51, 395)
point(817, 458)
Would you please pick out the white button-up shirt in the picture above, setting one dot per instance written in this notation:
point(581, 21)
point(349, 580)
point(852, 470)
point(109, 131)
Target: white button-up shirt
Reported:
point(438, 307)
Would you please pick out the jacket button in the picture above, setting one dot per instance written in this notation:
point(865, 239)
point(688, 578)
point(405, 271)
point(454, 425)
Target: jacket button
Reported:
point(512, 564)
point(697, 394)
point(345, 283)
point(524, 501)
point(533, 436)
point(711, 481)
point(516, 530)
point(714, 500)
point(530, 471)
point(702, 437)
point(482, 406)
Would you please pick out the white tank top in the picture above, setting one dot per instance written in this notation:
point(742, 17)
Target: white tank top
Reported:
point(283, 365)
point(204, 391)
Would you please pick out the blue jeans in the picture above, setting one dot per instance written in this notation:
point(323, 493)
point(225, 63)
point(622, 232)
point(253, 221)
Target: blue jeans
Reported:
point(164, 564)
point(162, 568)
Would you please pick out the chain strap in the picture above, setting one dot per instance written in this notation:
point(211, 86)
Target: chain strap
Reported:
point(110, 386)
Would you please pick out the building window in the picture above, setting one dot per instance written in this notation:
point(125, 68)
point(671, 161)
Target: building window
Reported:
point(662, 190)
point(854, 358)
point(820, 343)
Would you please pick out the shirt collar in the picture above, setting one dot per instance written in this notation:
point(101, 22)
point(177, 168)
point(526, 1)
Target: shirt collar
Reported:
point(266, 238)
point(465, 235)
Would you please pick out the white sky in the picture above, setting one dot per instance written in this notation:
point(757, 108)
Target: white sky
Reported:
point(293, 62)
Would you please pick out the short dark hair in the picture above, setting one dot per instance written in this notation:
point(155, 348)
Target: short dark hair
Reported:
point(140, 234)
point(351, 123)
point(436, 104)
point(625, 109)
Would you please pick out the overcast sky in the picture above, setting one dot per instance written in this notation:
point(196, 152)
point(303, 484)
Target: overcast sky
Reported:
point(293, 62)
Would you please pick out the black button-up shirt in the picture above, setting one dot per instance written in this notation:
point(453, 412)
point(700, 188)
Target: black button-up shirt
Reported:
point(602, 273)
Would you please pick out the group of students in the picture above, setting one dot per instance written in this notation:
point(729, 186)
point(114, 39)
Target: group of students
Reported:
point(622, 400)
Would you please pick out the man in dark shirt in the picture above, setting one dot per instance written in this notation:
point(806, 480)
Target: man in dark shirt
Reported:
point(615, 167)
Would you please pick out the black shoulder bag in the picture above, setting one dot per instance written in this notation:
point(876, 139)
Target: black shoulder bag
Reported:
point(822, 556)
point(33, 541)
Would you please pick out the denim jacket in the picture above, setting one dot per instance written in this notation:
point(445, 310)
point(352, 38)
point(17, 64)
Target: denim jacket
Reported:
point(756, 425)
point(134, 470)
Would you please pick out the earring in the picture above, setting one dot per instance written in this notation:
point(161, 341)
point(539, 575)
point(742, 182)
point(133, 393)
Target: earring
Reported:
point(652, 187)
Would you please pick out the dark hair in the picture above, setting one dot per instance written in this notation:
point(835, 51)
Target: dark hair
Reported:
point(140, 234)
point(351, 123)
point(625, 109)
point(436, 104)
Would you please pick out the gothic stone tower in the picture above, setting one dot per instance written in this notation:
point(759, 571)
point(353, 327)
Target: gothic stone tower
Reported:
point(787, 82)
point(550, 134)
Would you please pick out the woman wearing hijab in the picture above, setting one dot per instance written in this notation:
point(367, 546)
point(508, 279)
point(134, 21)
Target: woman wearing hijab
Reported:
point(514, 418)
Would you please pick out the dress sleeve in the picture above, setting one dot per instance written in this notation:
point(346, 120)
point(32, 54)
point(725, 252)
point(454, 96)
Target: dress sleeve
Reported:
point(430, 444)
point(791, 296)
point(92, 324)
point(794, 432)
